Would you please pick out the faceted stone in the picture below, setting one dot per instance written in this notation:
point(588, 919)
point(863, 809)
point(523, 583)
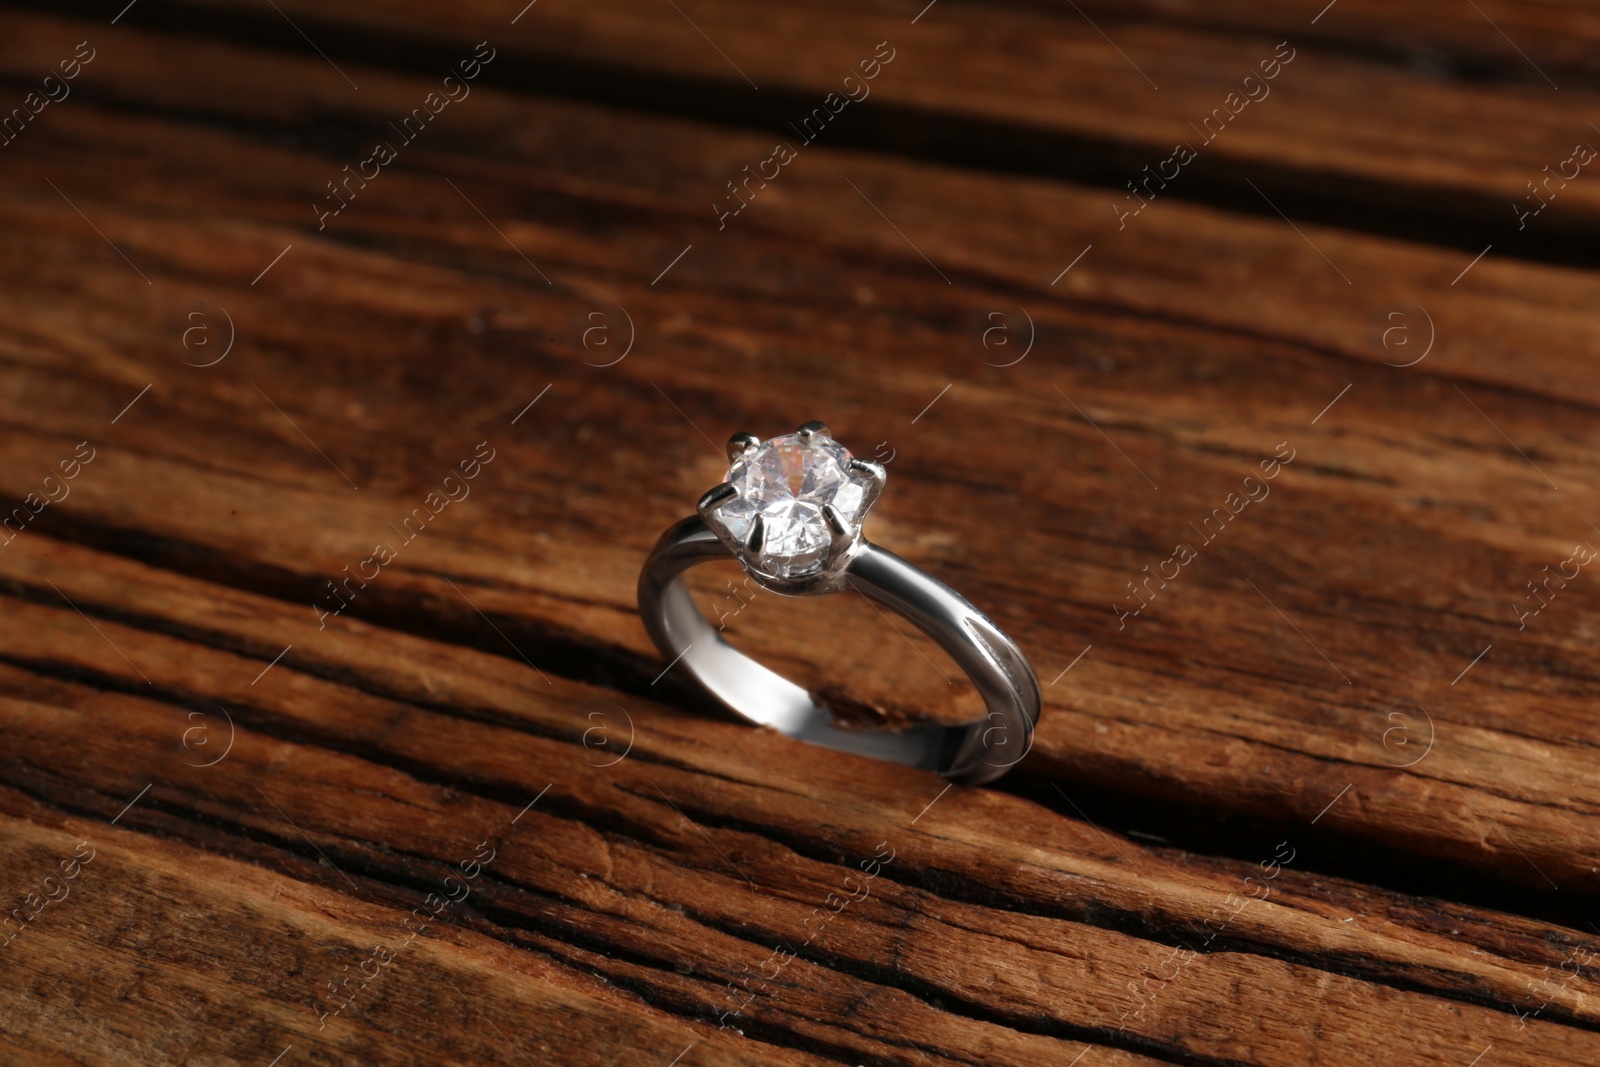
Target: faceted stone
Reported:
point(787, 480)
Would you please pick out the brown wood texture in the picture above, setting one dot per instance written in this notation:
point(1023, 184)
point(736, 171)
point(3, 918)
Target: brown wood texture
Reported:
point(1040, 88)
point(1321, 800)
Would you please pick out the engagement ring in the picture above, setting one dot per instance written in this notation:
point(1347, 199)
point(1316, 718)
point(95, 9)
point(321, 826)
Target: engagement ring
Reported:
point(790, 512)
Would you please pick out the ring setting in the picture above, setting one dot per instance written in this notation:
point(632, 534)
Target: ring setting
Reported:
point(790, 510)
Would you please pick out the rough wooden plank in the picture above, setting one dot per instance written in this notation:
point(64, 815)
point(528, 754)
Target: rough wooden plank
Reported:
point(1057, 90)
point(983, 893)
point(1499, 41)
point(1225, 373)
point(408, 335)
point(162, 953)
point(1025, 234)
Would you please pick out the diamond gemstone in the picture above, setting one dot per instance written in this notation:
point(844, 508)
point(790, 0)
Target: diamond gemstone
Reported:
point(786, 481)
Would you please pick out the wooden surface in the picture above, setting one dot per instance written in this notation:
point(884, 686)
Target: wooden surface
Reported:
point(1329, 797)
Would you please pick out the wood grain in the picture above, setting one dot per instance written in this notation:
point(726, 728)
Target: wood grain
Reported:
point(699, 845)
point(146, 963)
point(1297, 733)
point(1340, 673)
point(1436, 122)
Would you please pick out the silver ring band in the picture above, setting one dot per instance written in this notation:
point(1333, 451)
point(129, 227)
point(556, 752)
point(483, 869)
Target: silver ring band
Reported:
point(971, 753)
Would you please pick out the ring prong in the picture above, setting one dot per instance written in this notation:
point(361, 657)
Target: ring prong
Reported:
point(867, 468)
point(716, 496)
point(741, 442)
point(875, 477)
point(814, 428)
point(756, 540)
point(843, 535)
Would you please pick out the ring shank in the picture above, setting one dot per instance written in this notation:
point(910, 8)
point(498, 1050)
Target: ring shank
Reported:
point(971, 752)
